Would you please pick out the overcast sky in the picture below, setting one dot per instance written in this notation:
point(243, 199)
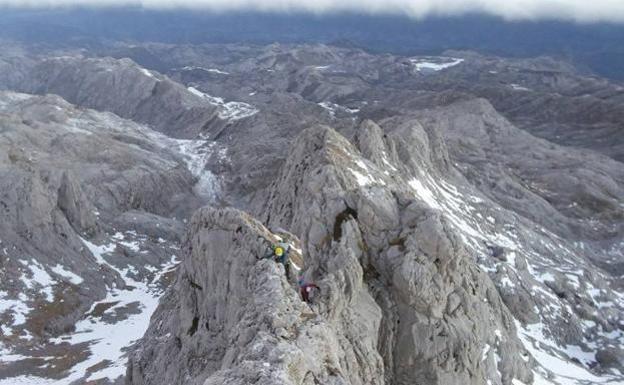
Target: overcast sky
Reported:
point(576, 10)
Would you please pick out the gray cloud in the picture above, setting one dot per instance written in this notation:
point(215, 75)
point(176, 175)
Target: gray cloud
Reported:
point(574, 10)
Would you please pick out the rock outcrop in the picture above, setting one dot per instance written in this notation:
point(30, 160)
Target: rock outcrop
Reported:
point(103, 84)
point(451, 245)
point(402, 302)
point(365, 231)
point(75, 185)
point(232, 317)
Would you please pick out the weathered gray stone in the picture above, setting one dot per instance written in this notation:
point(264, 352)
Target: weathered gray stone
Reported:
point(232, 318)
point(69, 175)
point(385, 289)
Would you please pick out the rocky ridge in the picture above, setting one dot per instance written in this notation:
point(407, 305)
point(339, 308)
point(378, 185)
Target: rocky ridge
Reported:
point(441, 222)
point(89, 202)
point(394, 241)
point(394, 271)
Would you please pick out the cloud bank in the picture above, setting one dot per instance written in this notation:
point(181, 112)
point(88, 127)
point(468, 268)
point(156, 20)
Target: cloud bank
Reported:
point(570, 10)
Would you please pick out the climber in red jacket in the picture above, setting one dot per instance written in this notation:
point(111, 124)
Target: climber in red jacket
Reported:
point(308, 290)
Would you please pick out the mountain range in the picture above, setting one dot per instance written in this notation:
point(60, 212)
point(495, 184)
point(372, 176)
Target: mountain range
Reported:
point(461, 212)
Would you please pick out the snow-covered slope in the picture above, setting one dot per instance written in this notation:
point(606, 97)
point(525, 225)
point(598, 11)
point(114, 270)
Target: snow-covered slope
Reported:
point(434, 64)
point(231, 111)
point(77, 288)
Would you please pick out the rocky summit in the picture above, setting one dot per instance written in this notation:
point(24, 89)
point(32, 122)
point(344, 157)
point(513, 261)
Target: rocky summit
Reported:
point(307, 214)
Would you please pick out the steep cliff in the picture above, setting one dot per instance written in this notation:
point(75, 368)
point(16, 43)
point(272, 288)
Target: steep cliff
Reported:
point(402, 301)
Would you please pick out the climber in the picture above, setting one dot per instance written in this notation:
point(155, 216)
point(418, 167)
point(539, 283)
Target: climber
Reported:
point(280, 254)
point(308, 290)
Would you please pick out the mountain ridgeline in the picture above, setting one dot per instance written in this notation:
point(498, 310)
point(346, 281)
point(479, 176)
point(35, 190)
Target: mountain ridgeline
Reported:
point(462, 216)
point(594, 46)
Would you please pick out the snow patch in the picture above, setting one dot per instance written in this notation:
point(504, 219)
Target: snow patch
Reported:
point(196, 154)
point(486, 350)
point(333, 108)
point(231, 111)
point(132, 245)
point(517, 87)
point(362, 180)
point(17, 308)
point(211, 70)
point(424, 193)
point(8, 98)
point(364, 176)
point(148, 73)
point(106, 341)
point(39, 278)
point(545, 352)
point(434, 64)
point(63, 272)
point(99, 251)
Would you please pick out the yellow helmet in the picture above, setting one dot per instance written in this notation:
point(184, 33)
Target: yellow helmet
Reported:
point(279, 251)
